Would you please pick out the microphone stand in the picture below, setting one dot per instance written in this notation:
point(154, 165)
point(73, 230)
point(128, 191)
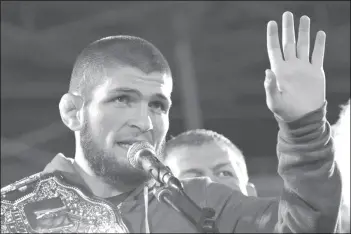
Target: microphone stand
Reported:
point(202, 218)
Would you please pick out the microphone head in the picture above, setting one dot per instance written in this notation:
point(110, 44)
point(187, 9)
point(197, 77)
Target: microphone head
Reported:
point(135, 150)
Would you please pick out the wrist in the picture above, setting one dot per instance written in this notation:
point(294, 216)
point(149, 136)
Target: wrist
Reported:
point(303, 125)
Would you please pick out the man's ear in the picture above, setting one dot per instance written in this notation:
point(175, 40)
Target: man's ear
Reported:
point(70, 110)
point(251, 190)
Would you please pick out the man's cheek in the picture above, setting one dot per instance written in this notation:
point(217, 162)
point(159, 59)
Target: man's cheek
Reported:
point(163, 125)
point(159, 134)
point(108, 128)
point(160, 137)
point(230, 184)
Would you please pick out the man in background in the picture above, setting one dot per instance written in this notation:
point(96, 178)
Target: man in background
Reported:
point(205, 153)
point(341, 135)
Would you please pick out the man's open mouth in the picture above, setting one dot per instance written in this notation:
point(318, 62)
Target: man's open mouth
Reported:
point(125, 145)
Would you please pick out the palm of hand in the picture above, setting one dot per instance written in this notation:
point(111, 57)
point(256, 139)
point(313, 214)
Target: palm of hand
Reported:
point(302, 87)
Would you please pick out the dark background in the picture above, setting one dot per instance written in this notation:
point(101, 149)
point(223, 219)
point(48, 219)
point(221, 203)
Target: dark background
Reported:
point(217, 52)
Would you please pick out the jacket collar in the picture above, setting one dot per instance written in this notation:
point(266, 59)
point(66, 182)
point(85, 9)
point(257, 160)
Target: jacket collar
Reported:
point(66, 168)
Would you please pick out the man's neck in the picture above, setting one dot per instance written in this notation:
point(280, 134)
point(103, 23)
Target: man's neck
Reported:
point(96, 184)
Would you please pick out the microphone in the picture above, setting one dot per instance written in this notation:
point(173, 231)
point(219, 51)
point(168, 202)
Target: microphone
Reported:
point(141, 155)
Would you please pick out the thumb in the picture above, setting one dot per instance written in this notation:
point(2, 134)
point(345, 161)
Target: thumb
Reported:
point(270, 83)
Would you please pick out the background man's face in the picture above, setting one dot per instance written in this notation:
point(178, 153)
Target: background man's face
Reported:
point(129, 106)
point(210, 160)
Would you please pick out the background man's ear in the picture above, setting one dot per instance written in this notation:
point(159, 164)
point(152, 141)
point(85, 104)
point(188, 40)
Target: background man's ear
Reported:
point(70, 107)
point(251, 190)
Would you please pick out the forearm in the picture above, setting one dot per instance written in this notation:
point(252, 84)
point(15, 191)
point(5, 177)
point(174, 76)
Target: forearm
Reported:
point(312, 183)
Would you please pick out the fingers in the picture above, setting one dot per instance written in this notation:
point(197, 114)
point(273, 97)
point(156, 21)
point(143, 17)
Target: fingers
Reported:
point(289, 48)
point(303, 43)
point(318, 51)
point(273, 46)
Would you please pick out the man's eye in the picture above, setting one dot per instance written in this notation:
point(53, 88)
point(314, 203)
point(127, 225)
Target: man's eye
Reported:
point(192, 175)
point(225, 174)
point(122, 99)
point(159, 106)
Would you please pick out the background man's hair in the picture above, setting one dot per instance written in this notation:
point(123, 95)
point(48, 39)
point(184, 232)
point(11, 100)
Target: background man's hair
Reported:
point(199, 137)
point(116, 51)
point(341, 135)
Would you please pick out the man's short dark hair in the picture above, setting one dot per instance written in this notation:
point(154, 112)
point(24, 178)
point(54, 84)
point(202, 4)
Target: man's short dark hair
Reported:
point(199, 137)
point(116, 51)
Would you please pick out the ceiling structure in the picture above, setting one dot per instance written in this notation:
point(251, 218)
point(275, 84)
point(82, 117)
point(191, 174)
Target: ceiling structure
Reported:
point(226, 49)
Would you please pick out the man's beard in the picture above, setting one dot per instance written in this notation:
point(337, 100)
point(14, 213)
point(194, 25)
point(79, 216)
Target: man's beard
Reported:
point(113, 169)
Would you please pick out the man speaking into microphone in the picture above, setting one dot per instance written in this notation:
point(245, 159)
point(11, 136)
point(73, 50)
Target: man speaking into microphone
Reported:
point(120, 94)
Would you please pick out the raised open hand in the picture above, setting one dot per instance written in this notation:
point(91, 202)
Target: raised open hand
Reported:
point(294, 85)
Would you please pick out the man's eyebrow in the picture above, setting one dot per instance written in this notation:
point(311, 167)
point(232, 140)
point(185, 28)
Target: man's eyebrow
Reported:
point(220, 165)
point(125, 90)
point(135, 91)
point(193, 170)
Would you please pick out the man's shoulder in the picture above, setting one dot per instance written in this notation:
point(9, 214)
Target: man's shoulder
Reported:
point(204, 184)
point(30, 186)
point(17, 200)
point(27, 184)
point(15, 190)
point(204, 189)
point(49, 203)
point(214, 193)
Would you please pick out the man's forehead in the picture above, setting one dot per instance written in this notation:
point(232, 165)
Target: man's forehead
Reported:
point(132, 78)
point(204, 152)
point(133, 72)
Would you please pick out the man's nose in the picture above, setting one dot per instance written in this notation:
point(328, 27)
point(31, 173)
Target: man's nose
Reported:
point(142, 119)
point(216, 179)
point(209, 175)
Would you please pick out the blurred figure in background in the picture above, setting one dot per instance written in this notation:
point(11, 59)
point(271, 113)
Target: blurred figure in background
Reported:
point(202, 152)
point(341, 134)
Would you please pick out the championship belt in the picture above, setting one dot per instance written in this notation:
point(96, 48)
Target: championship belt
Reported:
point(51, 205)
